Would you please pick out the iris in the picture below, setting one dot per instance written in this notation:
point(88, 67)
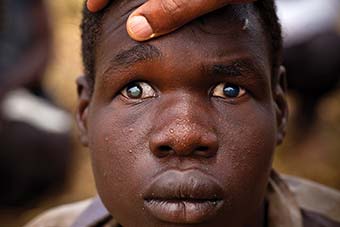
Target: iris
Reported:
point(134, 91)
point(231, 91)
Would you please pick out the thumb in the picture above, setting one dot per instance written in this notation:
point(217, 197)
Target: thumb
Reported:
point(158, 17)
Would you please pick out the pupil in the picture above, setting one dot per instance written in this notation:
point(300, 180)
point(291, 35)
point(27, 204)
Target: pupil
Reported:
point(231, 91)
point(134, 91)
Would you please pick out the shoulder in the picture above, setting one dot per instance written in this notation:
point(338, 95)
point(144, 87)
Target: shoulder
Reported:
point(312, 219)
point(63, 215)
point(318, 202)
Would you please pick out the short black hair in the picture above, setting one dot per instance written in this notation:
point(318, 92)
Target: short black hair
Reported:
point(91, 31)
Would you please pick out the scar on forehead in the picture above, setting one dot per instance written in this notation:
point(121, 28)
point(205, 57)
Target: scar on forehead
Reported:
point(245, 24)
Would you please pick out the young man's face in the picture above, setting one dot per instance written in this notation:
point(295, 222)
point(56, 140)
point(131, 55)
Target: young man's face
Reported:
point(182, 128)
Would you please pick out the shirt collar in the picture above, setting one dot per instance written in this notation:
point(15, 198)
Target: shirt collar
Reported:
point(283, 208)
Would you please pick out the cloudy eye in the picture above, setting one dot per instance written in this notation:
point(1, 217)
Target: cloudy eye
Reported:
point(224, 90)
point(138, 90)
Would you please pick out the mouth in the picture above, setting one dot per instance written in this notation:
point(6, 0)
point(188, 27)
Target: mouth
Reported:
point(189, 197)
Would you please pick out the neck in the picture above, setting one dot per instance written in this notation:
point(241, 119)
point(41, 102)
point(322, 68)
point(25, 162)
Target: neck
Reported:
point(259, 218)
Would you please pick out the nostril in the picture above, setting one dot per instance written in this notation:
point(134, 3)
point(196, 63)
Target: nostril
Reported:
point(163, 151)
point(204, 151)
point(165, 148)
point(196, 143)
point(202, 148)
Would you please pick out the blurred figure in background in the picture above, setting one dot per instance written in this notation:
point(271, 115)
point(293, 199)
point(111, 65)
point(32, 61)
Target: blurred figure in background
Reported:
point(312, 52)
point(25, 44)
point(34, 133)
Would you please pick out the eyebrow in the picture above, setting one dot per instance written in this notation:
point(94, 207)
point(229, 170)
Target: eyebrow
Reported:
point(236, 68)
point(129, 57)
point(145, 52)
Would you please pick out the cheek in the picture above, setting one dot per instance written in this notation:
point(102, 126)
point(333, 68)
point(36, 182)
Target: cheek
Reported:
point(248, 139)
point(119, 152)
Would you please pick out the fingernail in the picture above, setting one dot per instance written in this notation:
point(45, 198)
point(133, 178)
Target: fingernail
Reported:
point(140, 27)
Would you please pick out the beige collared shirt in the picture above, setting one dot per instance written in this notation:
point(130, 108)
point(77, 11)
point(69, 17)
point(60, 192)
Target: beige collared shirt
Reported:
point(293, 202)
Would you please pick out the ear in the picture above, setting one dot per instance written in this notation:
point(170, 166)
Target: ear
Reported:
point(84, 98)
point(281, 106)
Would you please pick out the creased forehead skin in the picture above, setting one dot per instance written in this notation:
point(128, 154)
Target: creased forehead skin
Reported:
point(227, 24)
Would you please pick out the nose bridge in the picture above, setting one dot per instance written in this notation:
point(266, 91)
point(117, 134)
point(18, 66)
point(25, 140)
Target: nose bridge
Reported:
point(184, 128)
point(186, 114)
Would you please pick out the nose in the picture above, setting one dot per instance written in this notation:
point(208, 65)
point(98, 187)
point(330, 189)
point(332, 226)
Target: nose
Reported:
point(183, 132)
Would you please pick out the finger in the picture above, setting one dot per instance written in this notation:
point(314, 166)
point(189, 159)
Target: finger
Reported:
point(158, 17)
point(96, 5)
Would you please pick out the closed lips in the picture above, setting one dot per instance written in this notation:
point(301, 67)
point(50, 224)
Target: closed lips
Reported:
point(183, 197)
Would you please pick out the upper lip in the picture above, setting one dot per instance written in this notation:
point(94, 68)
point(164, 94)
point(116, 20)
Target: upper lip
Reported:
point(190, 185)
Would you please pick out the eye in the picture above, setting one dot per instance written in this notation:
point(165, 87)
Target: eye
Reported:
point(224, 90)
point(138, 90)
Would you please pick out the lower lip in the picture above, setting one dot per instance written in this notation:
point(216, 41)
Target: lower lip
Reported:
point(182, 211)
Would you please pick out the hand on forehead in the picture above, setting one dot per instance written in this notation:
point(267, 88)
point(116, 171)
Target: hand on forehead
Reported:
point(159, 17)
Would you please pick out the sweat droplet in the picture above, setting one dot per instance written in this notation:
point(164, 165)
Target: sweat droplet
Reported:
point(171, 130)
point(130, 151)
point(106, 139)
point(246, 24)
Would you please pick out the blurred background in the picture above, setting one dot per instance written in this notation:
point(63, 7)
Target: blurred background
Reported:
point(42, 164)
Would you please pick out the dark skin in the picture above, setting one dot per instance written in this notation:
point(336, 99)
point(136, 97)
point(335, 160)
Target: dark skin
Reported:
point(195, 113)
point(159, 17)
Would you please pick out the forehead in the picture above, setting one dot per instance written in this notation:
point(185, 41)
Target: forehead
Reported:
point(232, 32)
